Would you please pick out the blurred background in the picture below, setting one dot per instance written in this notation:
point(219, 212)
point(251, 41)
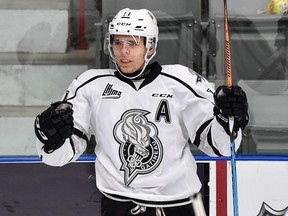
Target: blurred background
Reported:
point(44, 45)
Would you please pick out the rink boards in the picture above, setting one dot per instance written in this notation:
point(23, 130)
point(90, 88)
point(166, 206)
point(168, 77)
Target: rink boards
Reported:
point(29, 187)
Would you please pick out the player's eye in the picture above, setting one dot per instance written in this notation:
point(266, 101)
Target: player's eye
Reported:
point(132, 43)
point(117, 43)
point(121, 43)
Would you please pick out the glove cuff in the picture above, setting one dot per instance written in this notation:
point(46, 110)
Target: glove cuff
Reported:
point(43, 138)
point(222, 120)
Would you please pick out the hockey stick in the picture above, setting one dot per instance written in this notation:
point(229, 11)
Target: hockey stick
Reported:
point(198, 206)
point(231, 119)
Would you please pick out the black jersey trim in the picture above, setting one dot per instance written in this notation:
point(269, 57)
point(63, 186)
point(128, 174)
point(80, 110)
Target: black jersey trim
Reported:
point(80, 134)
point(183, 83)
point(210, 142)
point(85, 83)
point(197, 139)
point(73, 148)
point(155, 69)
point(149, 203)
point(124, 79)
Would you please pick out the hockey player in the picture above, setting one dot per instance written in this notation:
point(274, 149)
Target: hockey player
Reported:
point(142, 115)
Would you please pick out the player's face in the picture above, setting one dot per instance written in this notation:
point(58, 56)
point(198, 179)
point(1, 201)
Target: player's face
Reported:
point(129, 52)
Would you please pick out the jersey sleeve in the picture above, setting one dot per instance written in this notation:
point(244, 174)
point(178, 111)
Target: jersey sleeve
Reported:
point(74, 146)
point(217, 141)
point(70, 151)
point(204, 130)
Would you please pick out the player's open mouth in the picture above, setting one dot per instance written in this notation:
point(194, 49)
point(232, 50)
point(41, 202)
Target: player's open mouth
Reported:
point(125, 61)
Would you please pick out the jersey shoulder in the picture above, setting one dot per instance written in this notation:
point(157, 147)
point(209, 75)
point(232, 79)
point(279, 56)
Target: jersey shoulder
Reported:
point(87, 77)
point(92, 73)
point(189, 78)
point(183, 73)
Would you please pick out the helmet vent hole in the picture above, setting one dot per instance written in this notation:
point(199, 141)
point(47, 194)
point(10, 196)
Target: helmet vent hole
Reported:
point(139, 28)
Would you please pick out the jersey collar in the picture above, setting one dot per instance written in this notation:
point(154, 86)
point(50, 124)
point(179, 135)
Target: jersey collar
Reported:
point(155, 71)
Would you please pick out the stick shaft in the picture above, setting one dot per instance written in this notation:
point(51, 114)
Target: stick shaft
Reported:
point(231, 119)
point(198, 205)
point(227, 47)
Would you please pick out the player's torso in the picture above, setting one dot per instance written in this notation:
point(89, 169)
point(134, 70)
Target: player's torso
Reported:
point(141, 133)
point(143, 121)
point(142, 129)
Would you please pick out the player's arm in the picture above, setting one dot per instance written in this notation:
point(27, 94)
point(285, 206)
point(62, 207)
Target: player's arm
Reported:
point(213, 135)
point(228, 102)
point(54, 125)
point(57, 142)
point(231, 102)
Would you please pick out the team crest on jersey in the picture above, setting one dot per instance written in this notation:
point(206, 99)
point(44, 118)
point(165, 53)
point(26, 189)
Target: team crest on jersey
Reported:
point(140, 149)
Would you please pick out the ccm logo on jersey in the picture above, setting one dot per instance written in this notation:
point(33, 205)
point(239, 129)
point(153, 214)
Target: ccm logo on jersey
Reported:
point(162, 95)
point(111, 93)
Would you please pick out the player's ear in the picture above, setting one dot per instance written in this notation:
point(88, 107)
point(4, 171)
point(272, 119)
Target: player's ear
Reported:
point(151, 50)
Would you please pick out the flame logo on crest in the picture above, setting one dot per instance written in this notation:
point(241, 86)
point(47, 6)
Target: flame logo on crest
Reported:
point(140, 149)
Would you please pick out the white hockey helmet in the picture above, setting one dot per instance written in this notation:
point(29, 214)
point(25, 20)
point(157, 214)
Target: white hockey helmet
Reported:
point(135, 23)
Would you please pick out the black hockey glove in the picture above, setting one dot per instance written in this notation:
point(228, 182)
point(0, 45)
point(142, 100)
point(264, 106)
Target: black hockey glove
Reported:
point(54, 125)
point(231, 102)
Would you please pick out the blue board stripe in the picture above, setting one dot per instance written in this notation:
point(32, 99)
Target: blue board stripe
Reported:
point(91, 158)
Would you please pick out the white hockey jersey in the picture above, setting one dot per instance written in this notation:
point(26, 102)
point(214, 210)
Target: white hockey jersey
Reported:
point(142, 133)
